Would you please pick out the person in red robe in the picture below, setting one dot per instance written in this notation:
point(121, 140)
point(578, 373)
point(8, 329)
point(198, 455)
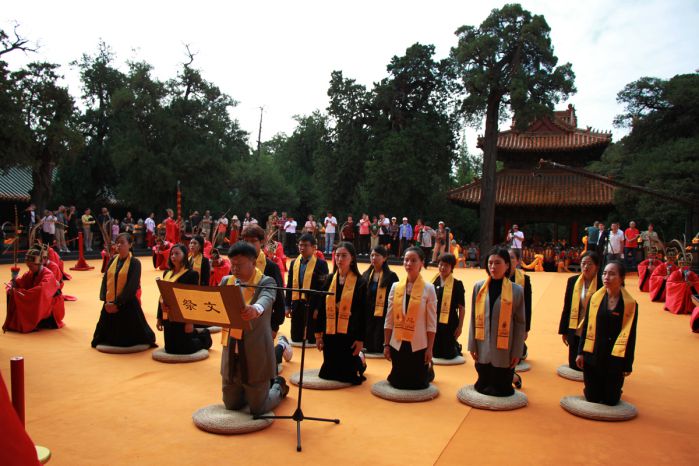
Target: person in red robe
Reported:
point(172, 228)
point(220, 267)
point(34, 299)
point(161, 253)
point(207, 248)
point(54, 257)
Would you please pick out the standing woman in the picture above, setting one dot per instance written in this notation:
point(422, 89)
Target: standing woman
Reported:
point(121, 321)
point(451, 309)
point(198, 262)
point(578, 292)
point(608, 340)
point(180, 338)
point(379, 279)
point(342, 320)
point(411, 324)
point(496, 336)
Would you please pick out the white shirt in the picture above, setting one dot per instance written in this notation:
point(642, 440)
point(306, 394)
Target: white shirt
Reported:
point(290, 226)
point(384, 223)
point(426, 320)
point(616, 242)
point(150, 224)
point(49, 225)
point(330, 223)
point(517, 238)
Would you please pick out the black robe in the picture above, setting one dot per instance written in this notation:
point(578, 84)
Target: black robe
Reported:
point(128, 327)
point(298, 308)
point(205, 272)
point(445, 344)
point(373, 341)
point(278, 314)
point(338, 361)
point(177, 341)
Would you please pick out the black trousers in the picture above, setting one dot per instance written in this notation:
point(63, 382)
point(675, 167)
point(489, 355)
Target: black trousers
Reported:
point(291, 244)
point(363, 244)
point(573, 342)
point(297, 317)
point(494, 381)
point(602, 385)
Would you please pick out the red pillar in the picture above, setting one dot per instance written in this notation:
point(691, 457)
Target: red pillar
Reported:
point(574, 233)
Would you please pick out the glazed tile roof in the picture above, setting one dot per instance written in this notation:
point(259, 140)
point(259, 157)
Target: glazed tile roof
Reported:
point(15, 184)
point(542, 188)
point(552, 134)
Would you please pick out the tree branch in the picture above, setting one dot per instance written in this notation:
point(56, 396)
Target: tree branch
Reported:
point(18, 43)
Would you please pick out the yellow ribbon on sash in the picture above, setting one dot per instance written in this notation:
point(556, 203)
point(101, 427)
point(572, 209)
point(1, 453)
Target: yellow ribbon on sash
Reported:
point(576, 321)
point(505, 320)
point(380, 294)
point(248, 293)
point(333, 318)
point(112, 290)
point(171, 276)
point(519, 277)
point(261, 261)
point(307, 275)
point(446, 298)
point(404, 324)
point(619, 349)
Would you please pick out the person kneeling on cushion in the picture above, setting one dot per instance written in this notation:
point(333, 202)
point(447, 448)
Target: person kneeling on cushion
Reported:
point(608, 341)
point(248, 360)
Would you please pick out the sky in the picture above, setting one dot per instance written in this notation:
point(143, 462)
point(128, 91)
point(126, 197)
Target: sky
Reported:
point(279, 54)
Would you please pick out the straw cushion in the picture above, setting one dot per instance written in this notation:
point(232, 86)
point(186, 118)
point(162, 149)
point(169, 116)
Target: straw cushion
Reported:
point(571, 374)
point(374, 355)
point(219, 420)
point(121, 349)
point(578, 406)
point(386, 391)
point(312, 381)
point(449, 362)
point(214, 329)
point(161, 356)
point(523, 366)
point(468, 395)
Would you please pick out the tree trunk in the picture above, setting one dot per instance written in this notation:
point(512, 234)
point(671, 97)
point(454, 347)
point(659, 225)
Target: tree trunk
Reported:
point(488, 182)
point(41, 181)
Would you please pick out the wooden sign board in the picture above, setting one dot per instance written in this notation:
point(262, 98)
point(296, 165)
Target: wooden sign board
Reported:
point(203, 305)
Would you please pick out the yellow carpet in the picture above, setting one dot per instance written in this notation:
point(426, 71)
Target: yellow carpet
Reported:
point(98, 409)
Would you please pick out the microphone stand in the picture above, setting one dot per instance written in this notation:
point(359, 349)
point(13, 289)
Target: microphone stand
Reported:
point(298, 415)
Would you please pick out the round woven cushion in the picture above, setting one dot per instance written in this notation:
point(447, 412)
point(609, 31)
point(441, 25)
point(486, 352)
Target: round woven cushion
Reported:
point(121, 349)
point(43, 454)
point(280, 368)
point(449, 362)
point(469, 396)
point(571, 374)
point(312, 381)
point(374, 355)
point(384, 390)
point(219, 420)
point(215, 329)
point(161, 356)
point(523, 366)
point(579, 406)
point(299, 344)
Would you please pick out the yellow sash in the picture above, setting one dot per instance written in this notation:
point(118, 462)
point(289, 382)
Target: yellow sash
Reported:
point(195, 262)
point(619, 349)
point(380, 294)
point(261, 261)
point(248, 293)
point(575, 321)
point(171, 276)
point(307, 276)
point(446, 297)
point(334, 318)
point(404, 324)
point(503, 341)
point(519, 277)
point(120, 280)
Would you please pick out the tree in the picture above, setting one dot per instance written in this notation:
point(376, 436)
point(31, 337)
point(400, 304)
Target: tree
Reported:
point(507, 63)
point(47, 133)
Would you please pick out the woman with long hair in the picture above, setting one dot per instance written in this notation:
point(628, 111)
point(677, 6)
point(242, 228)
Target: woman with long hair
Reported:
point(197, 261)
point(341, 322)
point(379, 278)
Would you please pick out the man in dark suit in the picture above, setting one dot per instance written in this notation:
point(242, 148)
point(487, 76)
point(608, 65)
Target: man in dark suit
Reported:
point(248, 363)
point(306, 262)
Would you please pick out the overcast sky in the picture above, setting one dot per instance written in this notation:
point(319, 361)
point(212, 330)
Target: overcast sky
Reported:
point(279, 54)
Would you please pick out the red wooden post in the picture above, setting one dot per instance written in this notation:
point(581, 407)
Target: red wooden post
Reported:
point(81, 264)
point(17, 384)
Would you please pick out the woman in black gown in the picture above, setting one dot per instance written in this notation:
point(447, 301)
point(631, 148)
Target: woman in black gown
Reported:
point(181, 338)
point(379, 279)
point(341, 321)
point(450, 316)
point(121, 321)
point(197, 261)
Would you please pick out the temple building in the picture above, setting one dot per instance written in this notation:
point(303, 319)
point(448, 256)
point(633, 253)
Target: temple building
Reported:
point(549, 203)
